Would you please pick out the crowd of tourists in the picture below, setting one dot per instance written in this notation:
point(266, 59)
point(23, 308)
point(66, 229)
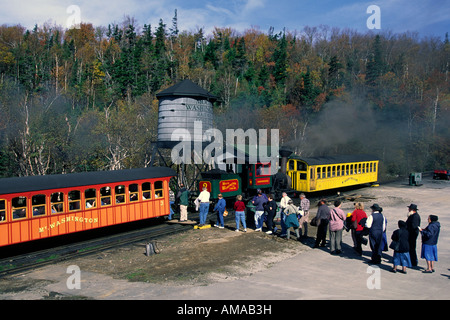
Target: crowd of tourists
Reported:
point(365, 228)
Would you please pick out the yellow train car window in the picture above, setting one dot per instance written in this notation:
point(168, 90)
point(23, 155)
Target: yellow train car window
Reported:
point(301, 166)
point(90, 198)
point(146, 191)
point(347, 170)
point(159, 192)
point(2, 211)
point(329, 172)
point(318, 173)
point(38, 205)
point(370, 166)
point(291, 165)
point(74, 200)
point(374, 167)
point(105, 196)
point(134, 192)
point(120, 194)
point(57, 202)
point(19, 207)
point(338, 171)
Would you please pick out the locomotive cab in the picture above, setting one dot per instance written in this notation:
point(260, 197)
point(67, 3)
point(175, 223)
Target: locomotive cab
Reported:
point(257, 176)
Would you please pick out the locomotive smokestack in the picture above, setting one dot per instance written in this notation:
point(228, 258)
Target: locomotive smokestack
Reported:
point(284, 154)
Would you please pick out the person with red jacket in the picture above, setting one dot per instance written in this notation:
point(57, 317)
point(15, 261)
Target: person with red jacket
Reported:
point(357, 229)
point(239, 212)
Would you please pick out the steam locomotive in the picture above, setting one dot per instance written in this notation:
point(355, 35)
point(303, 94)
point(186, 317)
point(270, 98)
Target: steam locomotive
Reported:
point(295, 175)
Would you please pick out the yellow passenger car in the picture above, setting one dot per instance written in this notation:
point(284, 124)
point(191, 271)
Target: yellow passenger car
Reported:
point(323, 173)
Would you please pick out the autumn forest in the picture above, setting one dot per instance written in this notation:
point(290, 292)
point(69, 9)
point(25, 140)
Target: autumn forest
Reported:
point(85, 98)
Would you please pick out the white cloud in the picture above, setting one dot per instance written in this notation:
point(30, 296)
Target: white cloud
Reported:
point(254, 4)
point(396, 15)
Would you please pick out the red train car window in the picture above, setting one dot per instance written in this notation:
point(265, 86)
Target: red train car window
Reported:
point(2, 211)
point(120, 194)
point(263, 170)
point(19, 207)
point(74, 200)
point(146, 191)
point(38, 205)
point(105, 196)
point(159, 191)
point(90, 198)
point(57, 202)
point(134, 192)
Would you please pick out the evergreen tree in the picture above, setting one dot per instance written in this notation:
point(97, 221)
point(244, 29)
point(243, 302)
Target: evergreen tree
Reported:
point(280, 59)
point(159, 63)
point(375, 64)
point(334, 74)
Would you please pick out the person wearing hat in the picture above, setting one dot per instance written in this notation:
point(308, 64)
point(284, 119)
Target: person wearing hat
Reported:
point(377, 226)
point(412, 224)
point(430, 236)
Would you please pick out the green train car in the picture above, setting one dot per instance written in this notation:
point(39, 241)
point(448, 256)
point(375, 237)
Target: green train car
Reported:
point(245, 181)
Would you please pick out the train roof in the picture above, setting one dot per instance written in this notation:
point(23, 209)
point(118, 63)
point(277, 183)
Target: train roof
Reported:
point(58, 181)
point(335, 159)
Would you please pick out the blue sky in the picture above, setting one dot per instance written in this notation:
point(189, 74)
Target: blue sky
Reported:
point(427, 17)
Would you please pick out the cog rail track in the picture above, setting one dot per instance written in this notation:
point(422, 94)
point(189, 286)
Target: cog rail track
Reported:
point(37, 259)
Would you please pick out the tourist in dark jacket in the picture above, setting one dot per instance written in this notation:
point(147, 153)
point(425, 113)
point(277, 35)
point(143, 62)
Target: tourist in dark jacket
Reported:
point(401, 252)
point(271, 208)
point(323, 217)
point(259, 210)
point(430, 236)
point(220, 208)
point(413, 224)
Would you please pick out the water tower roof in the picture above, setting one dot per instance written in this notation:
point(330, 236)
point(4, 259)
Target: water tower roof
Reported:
point(186, 88)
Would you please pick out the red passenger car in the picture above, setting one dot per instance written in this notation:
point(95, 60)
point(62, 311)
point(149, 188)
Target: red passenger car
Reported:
point(38, 207)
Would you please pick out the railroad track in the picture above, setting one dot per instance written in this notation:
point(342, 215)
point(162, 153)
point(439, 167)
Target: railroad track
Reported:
point(37, 259)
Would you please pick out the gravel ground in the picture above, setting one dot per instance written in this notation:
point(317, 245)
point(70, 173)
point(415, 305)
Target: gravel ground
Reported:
point(201, 258)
